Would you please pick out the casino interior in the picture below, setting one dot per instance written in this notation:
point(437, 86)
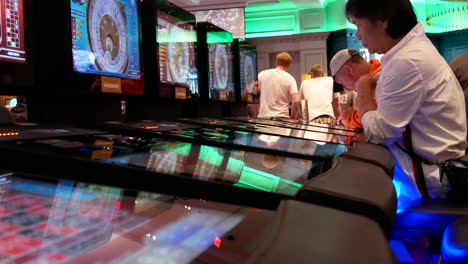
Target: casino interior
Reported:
point(128, 134)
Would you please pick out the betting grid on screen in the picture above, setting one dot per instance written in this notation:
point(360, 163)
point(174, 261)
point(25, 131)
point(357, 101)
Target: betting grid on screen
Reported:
point(12, 45)
point(177, 58)
point(105, 37)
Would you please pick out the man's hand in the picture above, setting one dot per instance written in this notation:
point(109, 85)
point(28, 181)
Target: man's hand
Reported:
point(340, 121)
point(365, 87)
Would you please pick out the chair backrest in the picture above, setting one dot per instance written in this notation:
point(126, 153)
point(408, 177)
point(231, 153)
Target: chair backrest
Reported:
point(308, 233)
point(372, 153)
point(354, 186)
point(5, 116)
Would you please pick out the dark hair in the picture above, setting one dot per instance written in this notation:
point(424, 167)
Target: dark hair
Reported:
point(399, 14)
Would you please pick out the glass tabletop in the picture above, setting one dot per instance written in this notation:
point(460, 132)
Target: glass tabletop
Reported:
point(76, 222)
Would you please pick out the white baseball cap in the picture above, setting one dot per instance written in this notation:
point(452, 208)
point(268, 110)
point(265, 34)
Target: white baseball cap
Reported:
point(340, 58)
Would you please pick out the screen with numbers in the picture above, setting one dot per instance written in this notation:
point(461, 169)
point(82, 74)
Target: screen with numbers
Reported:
point(12, 46)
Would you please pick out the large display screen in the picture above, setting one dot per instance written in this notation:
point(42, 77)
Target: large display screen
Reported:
point(105, 37)
point(12, 46)
point(177, 57)
point(248, 72)
point(221, 71)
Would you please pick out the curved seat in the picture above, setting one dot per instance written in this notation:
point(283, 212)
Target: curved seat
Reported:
point(428, 217)
point(354, 186)
point(308, 233)
point(372, 153)
point(455, 242)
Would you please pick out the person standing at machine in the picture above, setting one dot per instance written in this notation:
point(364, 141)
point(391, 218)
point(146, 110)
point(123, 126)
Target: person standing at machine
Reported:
point(322, 103)
point(277, 89)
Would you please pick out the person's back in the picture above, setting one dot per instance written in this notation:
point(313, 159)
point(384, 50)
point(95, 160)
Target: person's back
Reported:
point(319, 95)
point(277, 89)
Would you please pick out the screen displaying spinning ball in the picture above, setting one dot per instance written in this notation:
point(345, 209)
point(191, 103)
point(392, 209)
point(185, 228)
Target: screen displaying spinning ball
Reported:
point(105, 37)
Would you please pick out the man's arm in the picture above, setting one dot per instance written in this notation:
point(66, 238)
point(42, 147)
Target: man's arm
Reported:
point(400, 97)
point(337, 109)
point(294, 98)
point(364, 87)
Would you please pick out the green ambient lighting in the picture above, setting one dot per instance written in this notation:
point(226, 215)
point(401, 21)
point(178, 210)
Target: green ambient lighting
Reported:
point(166, 36)
point(447, 15)
point(249, 177)
point(181, 148)
point(259, 180)
point(285, 18)
point(210, 155)
point(219, 37)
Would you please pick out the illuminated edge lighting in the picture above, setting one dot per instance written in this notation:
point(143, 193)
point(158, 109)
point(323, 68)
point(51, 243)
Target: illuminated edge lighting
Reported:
point(149, 126)
point(6, 134)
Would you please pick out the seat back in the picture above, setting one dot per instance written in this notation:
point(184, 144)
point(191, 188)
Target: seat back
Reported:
point(354, 186)
point(308, 233)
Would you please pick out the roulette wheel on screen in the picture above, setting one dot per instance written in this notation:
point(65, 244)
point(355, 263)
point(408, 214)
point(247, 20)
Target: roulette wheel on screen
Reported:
point(248, 72)
point(107, 30)
point(221, 67)
point(178, 56)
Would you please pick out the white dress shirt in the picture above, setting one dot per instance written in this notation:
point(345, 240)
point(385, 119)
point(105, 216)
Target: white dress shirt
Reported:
point(417, 87)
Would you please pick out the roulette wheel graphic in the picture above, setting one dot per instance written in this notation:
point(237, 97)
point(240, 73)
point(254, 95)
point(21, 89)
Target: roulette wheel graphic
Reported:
point(248, 71)
point(178, 57)
point(221, 67)
point(107, 27)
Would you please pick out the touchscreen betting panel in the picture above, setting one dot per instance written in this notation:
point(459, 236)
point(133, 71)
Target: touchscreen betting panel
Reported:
point(105, 37)
point(77, 222)
point(177, 41)
point(12, 45)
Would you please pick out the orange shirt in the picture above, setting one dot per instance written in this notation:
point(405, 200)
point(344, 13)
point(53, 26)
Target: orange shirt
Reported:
point(353, 121)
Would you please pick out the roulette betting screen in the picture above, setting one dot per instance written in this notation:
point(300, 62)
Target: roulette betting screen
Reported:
point(105, 37)
point(12, 46)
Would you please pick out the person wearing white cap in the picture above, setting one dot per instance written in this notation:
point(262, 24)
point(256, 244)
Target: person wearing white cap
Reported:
point(420, 112)
point(347, 66)
point(277, 88)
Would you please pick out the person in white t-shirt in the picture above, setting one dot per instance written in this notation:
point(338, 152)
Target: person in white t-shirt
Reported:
point(277, 88)
point(322, 103)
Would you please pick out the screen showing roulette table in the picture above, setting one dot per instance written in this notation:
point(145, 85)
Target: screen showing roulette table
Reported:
point(221, 66)
point(177, 41)
point(105, 37)
point(12, 45)
point(248, 72)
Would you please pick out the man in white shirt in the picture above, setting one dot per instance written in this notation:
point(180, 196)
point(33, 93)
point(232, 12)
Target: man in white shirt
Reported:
point(322, 103)
point(417, 93)
point(277, 88)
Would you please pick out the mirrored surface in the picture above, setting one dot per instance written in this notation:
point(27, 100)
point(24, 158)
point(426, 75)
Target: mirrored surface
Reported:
point(75, 222)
